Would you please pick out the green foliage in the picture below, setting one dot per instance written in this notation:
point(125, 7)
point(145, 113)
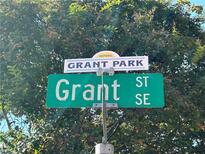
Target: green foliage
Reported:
point(199, 54)
point(109, 4)
point(197, 8)
point(36, 36)
point(76, 8)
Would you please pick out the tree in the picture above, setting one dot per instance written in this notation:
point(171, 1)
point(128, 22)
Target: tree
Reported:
point(36, 36)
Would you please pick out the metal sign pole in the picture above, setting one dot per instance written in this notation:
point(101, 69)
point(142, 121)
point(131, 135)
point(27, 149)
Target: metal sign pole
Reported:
point(104, 147)
point(104, 113)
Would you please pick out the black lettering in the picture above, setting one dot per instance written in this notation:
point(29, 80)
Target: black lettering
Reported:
point(139, 62)
point(71, 65)
point(131, 63)
point(104, 63)
point(123, 63)
point(96, 64)
point(115, 63)
point(79, 65)
point(87, 65)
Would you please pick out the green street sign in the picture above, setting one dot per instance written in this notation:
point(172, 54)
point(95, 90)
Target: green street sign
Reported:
point(121, 90)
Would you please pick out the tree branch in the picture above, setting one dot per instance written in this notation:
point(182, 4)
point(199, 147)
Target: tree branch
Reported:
point(5, 114)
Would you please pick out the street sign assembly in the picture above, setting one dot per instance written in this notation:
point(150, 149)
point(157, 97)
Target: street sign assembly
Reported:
point(120, 90)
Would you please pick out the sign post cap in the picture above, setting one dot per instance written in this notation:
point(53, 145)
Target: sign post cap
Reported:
point(106, 54)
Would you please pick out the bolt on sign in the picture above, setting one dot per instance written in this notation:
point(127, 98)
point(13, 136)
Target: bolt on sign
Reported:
point(125, 90)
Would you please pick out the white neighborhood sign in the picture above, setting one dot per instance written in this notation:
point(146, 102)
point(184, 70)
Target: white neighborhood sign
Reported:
point(118, 64)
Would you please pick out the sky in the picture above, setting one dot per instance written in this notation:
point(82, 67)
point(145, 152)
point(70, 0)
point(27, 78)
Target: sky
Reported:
point(202, 3)
point(198, 2)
